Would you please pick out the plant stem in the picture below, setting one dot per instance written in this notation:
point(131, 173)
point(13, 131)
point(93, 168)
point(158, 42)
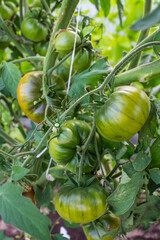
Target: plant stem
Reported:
point(12, 37)
point(143, 34)
point(7, 138)
point(16, 118)
point(84, 149)
point(45, 5)
point(142, 73)
point(65, 15)
point(34, 58)
point(120, 65)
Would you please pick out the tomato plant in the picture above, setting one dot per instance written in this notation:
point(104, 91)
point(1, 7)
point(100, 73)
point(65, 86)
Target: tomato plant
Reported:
point(116, 121)
point(79, 117)
point(63, 148)
point(64, 41)
point(29, 93)
point(107, 225)
point(92, 200)
point(35, 25)
point(7, 10)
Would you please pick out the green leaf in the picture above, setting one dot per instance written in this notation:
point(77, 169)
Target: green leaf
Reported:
point(2, 237)
point(105, 5)
point(59, 237)
point(44, 196)
point(120, 10)
point(18, 172)
point(129, 169)
point(11, 77)
point(2, 85)
point(148, 212)
point(147, 132)
point(155, 175)
point(148, 21)
point(155, 154)
point(22, 213)
point(70, 225)
point(125, 178)
point(123, 198)
point(90, 77)
point(141, 161)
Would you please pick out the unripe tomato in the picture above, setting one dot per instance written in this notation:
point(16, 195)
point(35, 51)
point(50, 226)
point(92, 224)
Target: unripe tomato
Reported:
point(104, 225)
point(30, 95)
point(80, 204)
point(63, 148)
point(7, 10)
point(35, 27)
point(82, 61)
point(64, 41)
point(41, 48)
point(124, 114)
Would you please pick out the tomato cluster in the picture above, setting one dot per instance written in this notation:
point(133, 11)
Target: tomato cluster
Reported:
point(121, 116)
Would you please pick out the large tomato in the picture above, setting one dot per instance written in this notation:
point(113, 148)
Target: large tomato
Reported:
point(124, 114)
point(63, 148)
point(30, 95)
point(80, 204)
point(35, 27)
point(101, 227)
point(82, 61)
point(64, 41)
point(7, 10)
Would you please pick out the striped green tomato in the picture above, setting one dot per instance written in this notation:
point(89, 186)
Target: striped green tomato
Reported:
point(104, 228)
point(80, 204)
point(124, 114)
point(64, 147)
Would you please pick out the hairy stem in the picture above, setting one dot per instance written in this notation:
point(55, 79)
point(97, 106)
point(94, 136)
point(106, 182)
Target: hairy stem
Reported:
point(142, 73)
point(65, 15)
point(85, 147)
point(7, 138)
point(34, 58)
point(120, 65)
point(143, 34)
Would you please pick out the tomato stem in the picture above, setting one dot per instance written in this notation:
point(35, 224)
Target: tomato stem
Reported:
point(65, 15)
point(143, 34)
point(120, 65)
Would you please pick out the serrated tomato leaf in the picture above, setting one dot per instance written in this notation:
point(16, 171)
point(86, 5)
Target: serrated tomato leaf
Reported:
point(59, 237)
point(148, 21)
point(141, 161)
point(11, 77)
point(18, 172)
point(148, 130)
point(125, 193)
point(20, 212)
point(90, 77)
point(147, 212)
point(155, 175)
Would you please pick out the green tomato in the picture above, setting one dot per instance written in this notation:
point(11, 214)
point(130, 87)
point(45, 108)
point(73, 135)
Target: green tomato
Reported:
point(7, 10)
point(41, 48)
point(35, 25)
point(64, 41)
point(80, 204)
point(124, 114)
point(104, 225)
point(29, 94)
point(63, 148)
point(82, 61)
